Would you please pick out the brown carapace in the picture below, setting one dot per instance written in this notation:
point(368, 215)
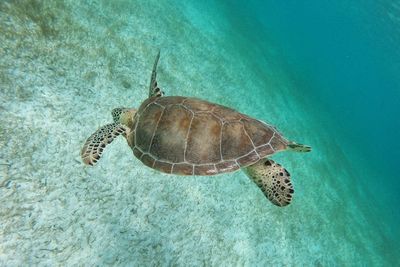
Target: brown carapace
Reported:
point(189, 136)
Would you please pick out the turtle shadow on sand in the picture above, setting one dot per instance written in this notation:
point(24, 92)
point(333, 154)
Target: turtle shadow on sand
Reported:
point(189, 136)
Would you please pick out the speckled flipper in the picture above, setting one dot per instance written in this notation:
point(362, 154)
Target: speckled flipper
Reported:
point(154, 90)
point(273, 180)
point(95, 144)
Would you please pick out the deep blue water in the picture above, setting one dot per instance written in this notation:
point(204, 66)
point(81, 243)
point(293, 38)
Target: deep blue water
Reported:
point(345, 56)
point(349, 52)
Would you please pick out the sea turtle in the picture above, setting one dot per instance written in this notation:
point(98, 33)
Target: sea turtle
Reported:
point(189, 136)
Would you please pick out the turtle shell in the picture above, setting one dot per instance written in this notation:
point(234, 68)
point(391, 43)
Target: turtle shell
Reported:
point(189, 136)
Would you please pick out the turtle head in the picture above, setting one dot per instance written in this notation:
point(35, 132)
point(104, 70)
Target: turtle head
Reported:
point(124, 116)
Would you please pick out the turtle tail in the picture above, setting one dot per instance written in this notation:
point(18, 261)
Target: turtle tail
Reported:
point(298, 147)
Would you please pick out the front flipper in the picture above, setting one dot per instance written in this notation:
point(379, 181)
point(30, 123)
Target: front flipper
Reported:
point(273, 180)
point(95, 144)
point(154, 90)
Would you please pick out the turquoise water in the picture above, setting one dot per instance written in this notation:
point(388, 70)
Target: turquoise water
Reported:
point(324, 73)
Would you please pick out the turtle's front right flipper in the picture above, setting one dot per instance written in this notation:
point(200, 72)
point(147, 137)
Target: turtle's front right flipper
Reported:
point(95, 144)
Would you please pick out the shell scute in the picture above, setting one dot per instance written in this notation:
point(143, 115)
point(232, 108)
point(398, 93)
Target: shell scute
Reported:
point(146, 125)
point(235, 143)
point(197, 105)
point(227, 114)
point(205, 169)
point(167, 101)
point(251, 157)
point(162, 166)
point(169, 140)
point(265, 150)
point(147, 160)
point(182, 169)
point(203, 144)
point(257, 131)
point(227, 166)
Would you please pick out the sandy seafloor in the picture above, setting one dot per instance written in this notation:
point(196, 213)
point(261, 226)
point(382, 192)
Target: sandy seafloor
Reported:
point(64, 66)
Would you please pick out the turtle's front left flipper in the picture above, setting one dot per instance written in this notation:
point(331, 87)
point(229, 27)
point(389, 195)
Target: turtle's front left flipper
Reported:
point(154, 90)
point(273, 180)
point(95, 144)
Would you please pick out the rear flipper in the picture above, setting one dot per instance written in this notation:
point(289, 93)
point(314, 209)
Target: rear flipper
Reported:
point(298, 147)
point(95, 144)
point(273, 180)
